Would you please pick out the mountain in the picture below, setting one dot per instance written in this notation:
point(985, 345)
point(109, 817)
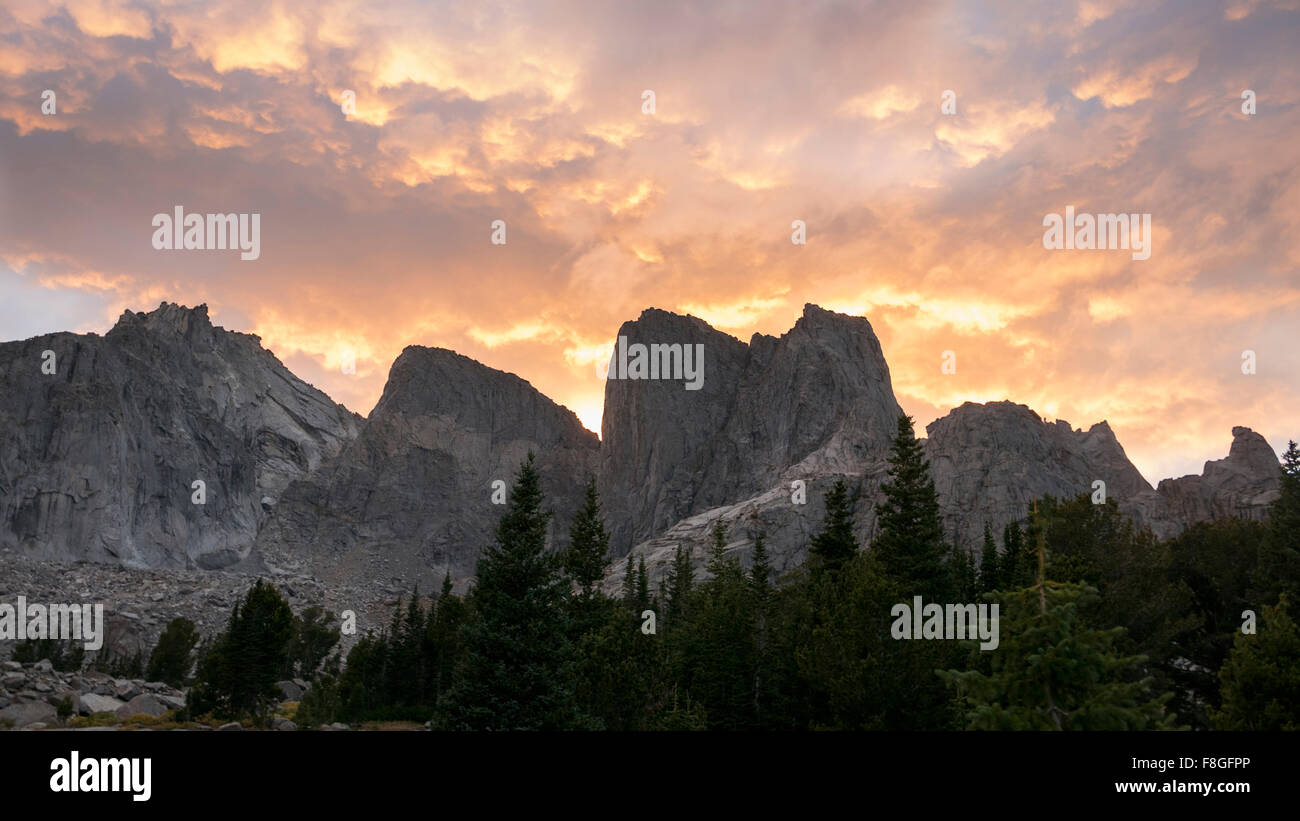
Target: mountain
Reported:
point(411, 497)
point(814, 401)
point(98, 458)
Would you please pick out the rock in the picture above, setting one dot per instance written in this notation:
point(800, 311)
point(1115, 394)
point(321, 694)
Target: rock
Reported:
point(171, 702)
point(289, 691)
point(146, 704)
point(445, 428)
point(339, 726)
point(233, 726)
point(32, 712)
point(160, 401)
point(95, 703)
point(43, 666)
point(38, 725)
point(13, 680)
point(1243, 485)
point(126, 690)
point(166, 398)
point(11, 665)
point(283, 724)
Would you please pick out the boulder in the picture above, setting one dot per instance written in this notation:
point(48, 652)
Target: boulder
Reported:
point(32, 712)
point(96, 703)
point(289, 691)
point(145, 704)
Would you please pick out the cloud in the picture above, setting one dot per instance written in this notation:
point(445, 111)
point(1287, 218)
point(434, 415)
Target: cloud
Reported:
point(377, 224)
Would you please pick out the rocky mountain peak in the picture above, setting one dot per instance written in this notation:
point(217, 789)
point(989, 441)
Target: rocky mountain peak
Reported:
point(1249, 453)
point(168, 317)
point(818, 398)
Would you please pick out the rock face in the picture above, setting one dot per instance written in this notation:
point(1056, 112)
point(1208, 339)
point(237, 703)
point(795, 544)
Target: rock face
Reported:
point(817, 400)
point(1243, 485)
point(98, 458)
point(989, 461)
point(412, 495)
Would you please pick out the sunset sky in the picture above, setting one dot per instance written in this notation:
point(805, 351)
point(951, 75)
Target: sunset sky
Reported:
point(375, 226)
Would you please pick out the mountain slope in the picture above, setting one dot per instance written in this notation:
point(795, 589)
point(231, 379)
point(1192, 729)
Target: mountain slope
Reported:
point(98, 460)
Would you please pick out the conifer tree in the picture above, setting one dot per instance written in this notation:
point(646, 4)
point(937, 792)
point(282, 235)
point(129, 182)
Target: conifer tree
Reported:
point(1260, 681)
point(835, 545)
point(720, 652)
point(516, 673)
point(629, 582)
point(717, 549)
point(760, 578)
point(760, 572)
point(965, 579)
point(1053, 672)
point(990, 578)
point(443, 641)
point(1013, 557)
point(587, 556)
point(681, 577)
point(1279, 561)
point(910, 543)
point(173, 656)
point(314, 636)
point(642, 586)
point(236, 678)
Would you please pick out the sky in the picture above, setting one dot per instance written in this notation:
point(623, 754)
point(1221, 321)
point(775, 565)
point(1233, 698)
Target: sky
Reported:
point(376, 223)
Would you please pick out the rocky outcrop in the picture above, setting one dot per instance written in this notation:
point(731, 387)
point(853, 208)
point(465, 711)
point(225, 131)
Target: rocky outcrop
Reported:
point(815, 401)
point(989, 461)
point(102, 440)
point(100, 450)
point(1243, 485)
point(411, 497)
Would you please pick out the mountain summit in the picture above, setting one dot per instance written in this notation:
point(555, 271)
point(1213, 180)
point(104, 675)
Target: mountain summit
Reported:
point(106, 442)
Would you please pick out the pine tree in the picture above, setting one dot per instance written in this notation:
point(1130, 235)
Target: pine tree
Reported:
point(516, 673)
point(629, 581)
point(443, 641)
point(236, 678)
point(760, 572)
point(1260, 680)
point(1012, 557)
point(1052, 672)
point(760, 578)
point(642, 586)
point(835, 545)
point(1279, 561)
point(718, 550)
point(587, 556)
point(173, 656)
point(681, 578)
point(314, 637)
point(965, 579)
point(910, 544)
point(990, 578)
point(719, 649)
